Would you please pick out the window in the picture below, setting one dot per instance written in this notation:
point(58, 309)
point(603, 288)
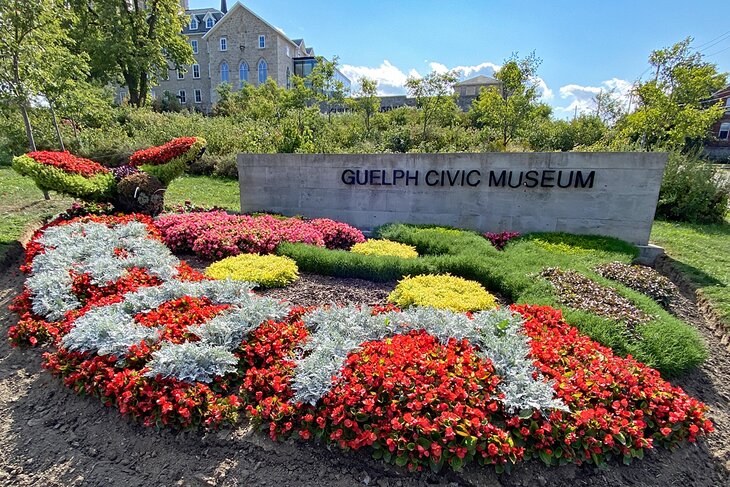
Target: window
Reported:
point(180, 73)
point(224, 72)
point(165, 74)
point(727, 104)
point(288, 52)
point(198, 96)
point(263, 71)
point(724, 129)
point(194, 43)
point(262, 42)
point(209, 23)
point(224, 44)
point(288, 78)
point(243, 72)
point(193, 23)
point(196, 71)
point(181, 96)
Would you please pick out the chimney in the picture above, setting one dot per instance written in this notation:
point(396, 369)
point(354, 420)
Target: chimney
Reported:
point(184, 4)
point(224, 7)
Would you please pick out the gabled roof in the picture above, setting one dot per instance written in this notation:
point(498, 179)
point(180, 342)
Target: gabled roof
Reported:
point(237, 6)
point(298, 42)
point(480, 80)
point(200, 15)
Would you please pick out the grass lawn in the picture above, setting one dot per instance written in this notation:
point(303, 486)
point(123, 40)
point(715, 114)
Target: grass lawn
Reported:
point(204, 191)
point(22, 203)
point(702, 253)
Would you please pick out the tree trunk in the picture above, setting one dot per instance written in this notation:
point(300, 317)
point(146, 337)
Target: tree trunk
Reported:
point(55, 125)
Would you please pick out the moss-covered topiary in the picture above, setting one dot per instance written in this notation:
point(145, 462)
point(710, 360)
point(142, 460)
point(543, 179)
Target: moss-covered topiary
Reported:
point(442, 291)
point(52, 171)
point(385, 247)
point(140, 193)
point(266, 270)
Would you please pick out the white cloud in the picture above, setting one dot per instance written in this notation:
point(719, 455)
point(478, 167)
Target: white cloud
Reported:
point(486, 68)
point(545, 92)
point(581, 98)
point(391, 79)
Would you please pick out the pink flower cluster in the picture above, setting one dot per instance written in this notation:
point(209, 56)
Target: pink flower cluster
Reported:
point(217, 234)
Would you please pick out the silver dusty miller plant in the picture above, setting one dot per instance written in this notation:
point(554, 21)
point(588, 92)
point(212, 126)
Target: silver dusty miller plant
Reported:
point(496, 334)
point(89, 248)
point(111, 329)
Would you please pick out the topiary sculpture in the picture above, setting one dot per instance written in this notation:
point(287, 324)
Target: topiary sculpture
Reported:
point(136, 187)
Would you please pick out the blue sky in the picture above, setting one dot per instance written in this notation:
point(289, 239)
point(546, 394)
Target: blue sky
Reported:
point(584, 46)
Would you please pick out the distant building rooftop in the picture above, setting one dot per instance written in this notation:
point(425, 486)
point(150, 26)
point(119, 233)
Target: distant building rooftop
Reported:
point(480, 80)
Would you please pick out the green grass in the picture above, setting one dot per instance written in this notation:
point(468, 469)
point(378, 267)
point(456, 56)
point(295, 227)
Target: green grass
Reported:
point(21, 204)
point(666, 343)
point(702, 253)
point(204, 191)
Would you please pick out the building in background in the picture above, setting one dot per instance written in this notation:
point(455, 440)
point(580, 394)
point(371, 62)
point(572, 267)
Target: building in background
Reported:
point(468, 91)
point(233, 46)
point(719, 148)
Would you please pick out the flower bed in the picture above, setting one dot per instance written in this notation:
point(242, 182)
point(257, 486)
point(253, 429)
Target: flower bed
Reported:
point(422, 388)
point(217, 234)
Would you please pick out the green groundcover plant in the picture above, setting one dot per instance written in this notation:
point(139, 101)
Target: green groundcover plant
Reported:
point(663, 342)
point(442, 292)
point(264, 270)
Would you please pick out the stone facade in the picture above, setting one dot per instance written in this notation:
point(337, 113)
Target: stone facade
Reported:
point(242, 31)
point(719, 148)
point(612, 194)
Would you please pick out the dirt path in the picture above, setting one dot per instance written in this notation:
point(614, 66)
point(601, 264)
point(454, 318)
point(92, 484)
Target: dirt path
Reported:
point(51, 437)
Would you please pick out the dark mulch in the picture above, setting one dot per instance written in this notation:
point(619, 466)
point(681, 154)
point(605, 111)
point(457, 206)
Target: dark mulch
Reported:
point(316, 290)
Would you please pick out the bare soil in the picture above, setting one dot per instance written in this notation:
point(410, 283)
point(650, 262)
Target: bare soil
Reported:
point(51, 437)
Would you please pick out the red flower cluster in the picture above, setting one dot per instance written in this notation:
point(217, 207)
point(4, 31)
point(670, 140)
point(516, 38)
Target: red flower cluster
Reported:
point(500, 240)
point(178, 315)
point(217, 234)
point(68, 162)
point(162, 154)
point(157, 402)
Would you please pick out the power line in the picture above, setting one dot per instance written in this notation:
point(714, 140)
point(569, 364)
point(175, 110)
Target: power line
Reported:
point(717, 52)
point(719, 38)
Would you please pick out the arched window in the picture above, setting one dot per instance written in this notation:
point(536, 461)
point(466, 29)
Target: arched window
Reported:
point(288, 78)
point(224, 72)
point(209, 23)
point(193, 23)
point(724, 130)
point(263, 71)
point(243, 72)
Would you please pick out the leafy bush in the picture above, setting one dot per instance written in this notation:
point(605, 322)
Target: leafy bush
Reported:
point(443, 292)
point(65, 173)
point(217, 234)
point(692, 190)
point(385, 247)
point(642, 279)
point(580, 292)
point(265, 270)
point(500, 240)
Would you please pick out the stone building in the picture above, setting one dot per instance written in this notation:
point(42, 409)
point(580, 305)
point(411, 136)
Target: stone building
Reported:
point(235, 46)
point(468, 91)
point(719, 148)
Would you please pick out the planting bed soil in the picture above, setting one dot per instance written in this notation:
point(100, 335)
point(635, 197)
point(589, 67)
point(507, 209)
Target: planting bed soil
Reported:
point(50, 436)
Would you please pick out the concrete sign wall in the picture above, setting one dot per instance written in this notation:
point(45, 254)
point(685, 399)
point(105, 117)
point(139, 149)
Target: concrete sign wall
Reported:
point(611, 194)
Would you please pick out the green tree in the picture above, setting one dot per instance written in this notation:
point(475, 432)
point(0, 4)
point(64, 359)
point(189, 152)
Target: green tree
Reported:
point(324, 84)
point(672, 110)
point(434, 96)
point(366, 100)
point(32, 43)
point(509, 109)
point(130, 42)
